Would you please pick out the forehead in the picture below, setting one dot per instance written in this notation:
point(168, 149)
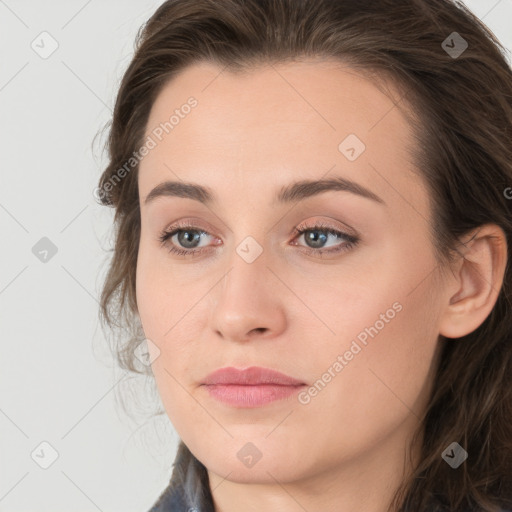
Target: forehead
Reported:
point(323, 96)
point(276, 123)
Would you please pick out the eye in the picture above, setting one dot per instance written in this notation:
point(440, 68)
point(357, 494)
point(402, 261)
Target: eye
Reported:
point(189, 237)
point(318, 234)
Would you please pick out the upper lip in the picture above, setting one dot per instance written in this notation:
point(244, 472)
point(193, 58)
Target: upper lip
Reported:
point(250, 376)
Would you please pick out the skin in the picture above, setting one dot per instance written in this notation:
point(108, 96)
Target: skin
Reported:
point(250, 135)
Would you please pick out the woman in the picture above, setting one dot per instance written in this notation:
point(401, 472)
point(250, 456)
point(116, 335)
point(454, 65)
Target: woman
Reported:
point(313, 214)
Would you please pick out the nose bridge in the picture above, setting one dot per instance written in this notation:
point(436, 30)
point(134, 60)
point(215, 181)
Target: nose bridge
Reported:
point(248, 236)
point(247, 265)
point(246, 300)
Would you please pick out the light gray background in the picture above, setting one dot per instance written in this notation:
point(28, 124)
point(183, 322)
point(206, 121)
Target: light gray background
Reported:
point(59, 383)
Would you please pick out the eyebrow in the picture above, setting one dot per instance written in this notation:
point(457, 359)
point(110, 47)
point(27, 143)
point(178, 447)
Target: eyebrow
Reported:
point(293, 192)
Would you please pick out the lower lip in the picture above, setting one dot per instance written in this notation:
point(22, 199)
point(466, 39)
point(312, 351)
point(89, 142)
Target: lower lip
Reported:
point(250, 396)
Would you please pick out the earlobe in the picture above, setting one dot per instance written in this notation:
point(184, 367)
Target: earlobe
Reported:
point(477, 282)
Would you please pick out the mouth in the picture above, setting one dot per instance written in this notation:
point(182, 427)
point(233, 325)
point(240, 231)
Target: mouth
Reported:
point(252, 387)
point(248, 396)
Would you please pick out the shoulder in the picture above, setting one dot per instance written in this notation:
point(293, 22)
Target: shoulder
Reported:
point(174, 499)
point(171, 500)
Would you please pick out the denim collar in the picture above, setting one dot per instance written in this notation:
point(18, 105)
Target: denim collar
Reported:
point(188, 489)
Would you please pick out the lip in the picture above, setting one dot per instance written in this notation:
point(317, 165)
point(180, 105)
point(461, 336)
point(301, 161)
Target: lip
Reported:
point(251, 387)
point(254, 375)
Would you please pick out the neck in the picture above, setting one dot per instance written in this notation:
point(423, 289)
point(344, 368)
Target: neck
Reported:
point(367, 484)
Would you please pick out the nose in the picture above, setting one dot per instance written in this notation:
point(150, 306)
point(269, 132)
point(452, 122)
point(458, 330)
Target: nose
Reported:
point(247, 301)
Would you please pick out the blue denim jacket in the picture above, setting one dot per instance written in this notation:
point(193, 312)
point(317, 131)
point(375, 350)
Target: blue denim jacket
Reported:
point(173, 500)
point(188, 490)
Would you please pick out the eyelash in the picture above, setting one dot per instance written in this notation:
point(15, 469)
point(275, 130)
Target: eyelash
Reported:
point(351, 240)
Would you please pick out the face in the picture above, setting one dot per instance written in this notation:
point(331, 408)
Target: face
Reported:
point(348, 305)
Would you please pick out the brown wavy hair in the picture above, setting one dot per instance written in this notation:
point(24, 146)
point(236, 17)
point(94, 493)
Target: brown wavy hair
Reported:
point(463, 107)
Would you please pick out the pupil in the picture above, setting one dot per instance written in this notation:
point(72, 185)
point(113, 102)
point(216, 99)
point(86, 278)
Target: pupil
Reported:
point(183, 237)
point(314, 239)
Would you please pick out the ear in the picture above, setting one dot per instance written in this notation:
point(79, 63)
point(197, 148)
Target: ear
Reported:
point(477, 281)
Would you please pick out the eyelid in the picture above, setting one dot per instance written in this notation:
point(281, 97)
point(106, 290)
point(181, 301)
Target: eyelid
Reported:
point(188, 222)
point(327, 225)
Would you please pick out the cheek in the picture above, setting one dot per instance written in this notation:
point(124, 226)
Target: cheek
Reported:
point(166, 312)
point(383, 376)
point(156, 292)
point(375, 370)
